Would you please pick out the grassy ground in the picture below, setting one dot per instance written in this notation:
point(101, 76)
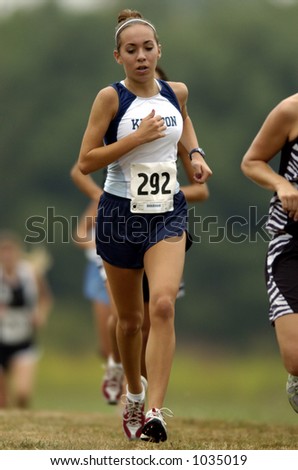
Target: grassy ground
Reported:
point(83, 431)
point(224, 402)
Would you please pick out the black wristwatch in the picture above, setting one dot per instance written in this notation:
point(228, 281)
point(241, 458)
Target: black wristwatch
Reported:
point(197, 150)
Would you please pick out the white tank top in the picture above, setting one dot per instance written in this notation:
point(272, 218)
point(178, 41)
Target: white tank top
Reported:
point(17, 306)
point(132, 109)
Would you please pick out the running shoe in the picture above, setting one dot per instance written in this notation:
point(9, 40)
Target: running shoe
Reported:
point(292, 391)
point(112, 383)
point(155, 427)
point(134, 416)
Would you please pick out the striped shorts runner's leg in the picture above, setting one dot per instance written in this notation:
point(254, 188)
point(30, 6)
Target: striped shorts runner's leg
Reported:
point(279, 303)
point(282, 284)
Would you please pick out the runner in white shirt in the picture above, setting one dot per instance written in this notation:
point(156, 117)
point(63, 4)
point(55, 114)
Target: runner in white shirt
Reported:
point(134, 128)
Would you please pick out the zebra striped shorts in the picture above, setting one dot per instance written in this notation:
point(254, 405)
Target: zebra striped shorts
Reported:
point(282, 276)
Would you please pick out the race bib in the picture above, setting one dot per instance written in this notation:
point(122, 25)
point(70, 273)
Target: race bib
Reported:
point(152, 187)
point(15, 325)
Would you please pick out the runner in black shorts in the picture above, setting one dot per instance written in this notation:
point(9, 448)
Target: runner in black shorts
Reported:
point(279, 133)
point(25, 301)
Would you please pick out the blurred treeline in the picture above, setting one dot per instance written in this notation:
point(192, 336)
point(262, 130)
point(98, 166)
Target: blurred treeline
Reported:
point(238, 59)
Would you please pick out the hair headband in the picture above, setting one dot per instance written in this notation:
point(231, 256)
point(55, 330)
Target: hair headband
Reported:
point(133, 20)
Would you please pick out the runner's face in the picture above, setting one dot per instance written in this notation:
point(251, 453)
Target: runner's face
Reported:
point(9, 254)
point(139, 51)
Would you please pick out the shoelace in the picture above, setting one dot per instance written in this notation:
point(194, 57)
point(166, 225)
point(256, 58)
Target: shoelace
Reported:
point(161, 413)
point(133, 411)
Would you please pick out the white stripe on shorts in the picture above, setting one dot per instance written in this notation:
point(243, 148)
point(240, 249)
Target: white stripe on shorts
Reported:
point(278, 304)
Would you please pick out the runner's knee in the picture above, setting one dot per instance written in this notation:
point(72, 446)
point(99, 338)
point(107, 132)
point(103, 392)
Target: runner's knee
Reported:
point(162, 308)
point(130, 325)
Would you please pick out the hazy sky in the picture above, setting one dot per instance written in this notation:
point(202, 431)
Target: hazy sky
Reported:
point(9, 6)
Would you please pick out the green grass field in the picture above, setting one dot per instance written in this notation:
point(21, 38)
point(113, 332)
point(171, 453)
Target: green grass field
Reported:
point(221, 387)
point(54, 430)
point(219, 402)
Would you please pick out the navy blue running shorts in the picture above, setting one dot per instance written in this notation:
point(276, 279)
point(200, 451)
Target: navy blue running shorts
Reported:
point(122, 238)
